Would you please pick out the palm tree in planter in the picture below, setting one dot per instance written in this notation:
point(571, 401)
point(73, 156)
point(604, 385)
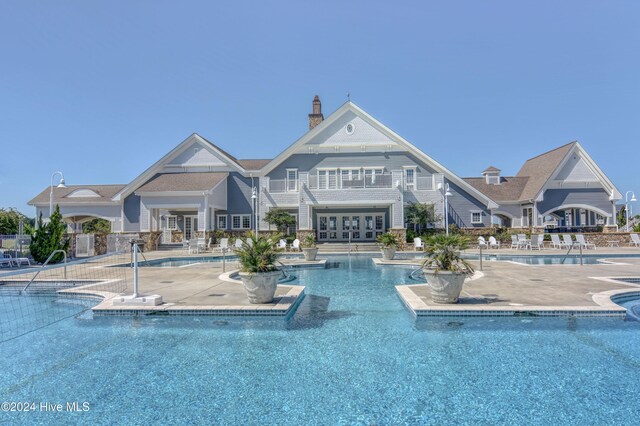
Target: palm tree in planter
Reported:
point(388, 245)
point(309, 247)
point(444, 268)
point(258, 272)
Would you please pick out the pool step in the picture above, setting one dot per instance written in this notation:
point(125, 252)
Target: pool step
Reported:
point(342, 247)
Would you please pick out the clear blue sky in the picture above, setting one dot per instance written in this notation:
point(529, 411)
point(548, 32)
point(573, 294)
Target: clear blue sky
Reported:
point(101, 90)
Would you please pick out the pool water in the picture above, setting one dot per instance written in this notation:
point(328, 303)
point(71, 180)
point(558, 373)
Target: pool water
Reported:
point(351, 354)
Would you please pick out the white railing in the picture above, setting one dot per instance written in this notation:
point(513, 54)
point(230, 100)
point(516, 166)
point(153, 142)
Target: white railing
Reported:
point(424, 183)
point(277, 185)
point(384, 180)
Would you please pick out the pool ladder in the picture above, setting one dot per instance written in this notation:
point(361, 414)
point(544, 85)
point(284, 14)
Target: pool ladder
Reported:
point(283, 269)
point(569, 251)
point(45, 264)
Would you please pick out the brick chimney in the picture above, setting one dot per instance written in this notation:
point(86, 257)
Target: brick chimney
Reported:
point(316, 116)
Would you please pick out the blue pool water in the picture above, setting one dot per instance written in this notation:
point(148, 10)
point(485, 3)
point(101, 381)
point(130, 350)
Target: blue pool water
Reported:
point(351, 354)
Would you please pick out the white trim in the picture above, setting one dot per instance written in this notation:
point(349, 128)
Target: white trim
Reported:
point(577, 206)
point(171, 216)
point(295, 180)
point(226, 222)
point(478, 212)
point(404, 177)
point(241, 216)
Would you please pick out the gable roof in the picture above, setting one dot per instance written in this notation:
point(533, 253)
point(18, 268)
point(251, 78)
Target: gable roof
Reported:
point(253, 164)
point(179, 182)
point(540, 169)
point(353, 108)
point(61, 195)
point(157, 166)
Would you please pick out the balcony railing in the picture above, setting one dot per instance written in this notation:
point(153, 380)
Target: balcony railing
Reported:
point(384, 180)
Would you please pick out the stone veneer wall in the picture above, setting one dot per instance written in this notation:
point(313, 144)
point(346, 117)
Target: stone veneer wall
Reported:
point(401, 233)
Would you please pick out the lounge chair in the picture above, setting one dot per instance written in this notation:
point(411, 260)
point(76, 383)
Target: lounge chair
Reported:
point(209, 243)
point(418, 244)
point(185, 245)
point(514, 241)
point(556, 242)
point(566, 239)
point(237, 244)
point(5, 260)
point(193, 246)
point(249, 242)
point(537, 242)
point(202, 245)
point(581, 242)
point(635, 240)
point(493, 243)
point(282, 245)
point(295, 245)
point(223, 245)
point(17, 261)
point(523, 242)
point(482, 243)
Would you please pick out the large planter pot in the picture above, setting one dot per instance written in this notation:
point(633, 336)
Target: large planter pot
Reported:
point(310, 253)
point(260, 286)
point(445, 286)
point(388, 253)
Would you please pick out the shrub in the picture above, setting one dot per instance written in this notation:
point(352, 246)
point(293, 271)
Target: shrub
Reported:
point(48, 238)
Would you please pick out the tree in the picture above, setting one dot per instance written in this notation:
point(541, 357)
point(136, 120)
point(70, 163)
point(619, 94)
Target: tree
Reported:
point(280, 218)
point(97, 226)
point(10, 222)
point(421, 215)
point(49, 237)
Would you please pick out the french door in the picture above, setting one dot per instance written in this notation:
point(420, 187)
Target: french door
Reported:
point(190, 227)
point(358, 226)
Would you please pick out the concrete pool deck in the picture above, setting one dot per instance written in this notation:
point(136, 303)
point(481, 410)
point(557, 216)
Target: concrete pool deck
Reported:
point(504, 288)
point(509, 288)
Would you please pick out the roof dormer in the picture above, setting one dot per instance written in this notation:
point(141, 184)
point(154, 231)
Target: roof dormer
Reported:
point(492, 175)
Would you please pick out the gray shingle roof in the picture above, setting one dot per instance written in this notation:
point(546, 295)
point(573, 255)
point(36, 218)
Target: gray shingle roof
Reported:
point(60, 195)
point(164, 182)
point(539, 169)
point(253, 164)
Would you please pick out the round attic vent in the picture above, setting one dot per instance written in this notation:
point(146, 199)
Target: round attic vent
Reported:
point(349, 128)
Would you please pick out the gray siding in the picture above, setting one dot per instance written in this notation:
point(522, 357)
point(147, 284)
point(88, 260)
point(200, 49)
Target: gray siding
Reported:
point(239, 194)
point(461, 205)
point(554, 198)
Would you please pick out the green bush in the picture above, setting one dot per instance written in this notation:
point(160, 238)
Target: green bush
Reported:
point(48, 238)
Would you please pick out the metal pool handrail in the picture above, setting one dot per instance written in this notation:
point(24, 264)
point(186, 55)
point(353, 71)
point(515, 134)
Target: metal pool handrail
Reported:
point(45, 264)
point(283, 270)
point(569, 251)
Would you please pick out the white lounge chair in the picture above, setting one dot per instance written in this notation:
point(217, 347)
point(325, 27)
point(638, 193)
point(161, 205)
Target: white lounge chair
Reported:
point(537, 242)
point(418, 244)
point(223, 245)
point(249, 242)
point(523, 242)
point(635, 240)
point(556, 242)
point(185, 245)
point(17, 261)
point(5, 260)
point(493, 243)
point(566, 239)
point(482, 243)
point(237, 244)
point(581, 242)
point(514, 241)
point(282, 245)
point(193, 246)
point(295, 245)
point(202, 245)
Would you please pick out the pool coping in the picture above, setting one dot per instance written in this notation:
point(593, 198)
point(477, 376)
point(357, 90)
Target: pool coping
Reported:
point(284, 305)
point(605, 301)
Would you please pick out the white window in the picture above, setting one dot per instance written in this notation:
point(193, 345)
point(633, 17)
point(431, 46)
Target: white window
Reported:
point(292, 180)
point(410, 178)
point(172, 222)
point(222, 221)
point(328, 179)
point(476, 217)
point(241, 221)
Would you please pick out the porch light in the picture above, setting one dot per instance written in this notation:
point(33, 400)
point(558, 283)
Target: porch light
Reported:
point(60, 185)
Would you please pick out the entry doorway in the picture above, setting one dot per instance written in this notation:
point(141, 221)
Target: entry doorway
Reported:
point(190, 227)
point(358, 226)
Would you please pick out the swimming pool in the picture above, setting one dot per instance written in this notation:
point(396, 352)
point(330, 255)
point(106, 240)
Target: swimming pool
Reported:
point(351, 354)
point(555, 259)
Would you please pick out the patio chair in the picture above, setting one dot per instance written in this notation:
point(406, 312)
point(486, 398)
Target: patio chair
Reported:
point(537, 242)
point(566, 239)
point(482, 243)
point(5, 260)
point(249, 242)
point(209, 243)
point(237, 244)
point(493, 243)
point(295, 245)
point(514, 241)
point(635, 240)
point(418, 244)
point(223, 245)
point(185, 245)
point(201, 244)
point(193, 245)
point(556, 242)
point(523, 242)
point(282, 245)
point(581, 242)
point(17, 261)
